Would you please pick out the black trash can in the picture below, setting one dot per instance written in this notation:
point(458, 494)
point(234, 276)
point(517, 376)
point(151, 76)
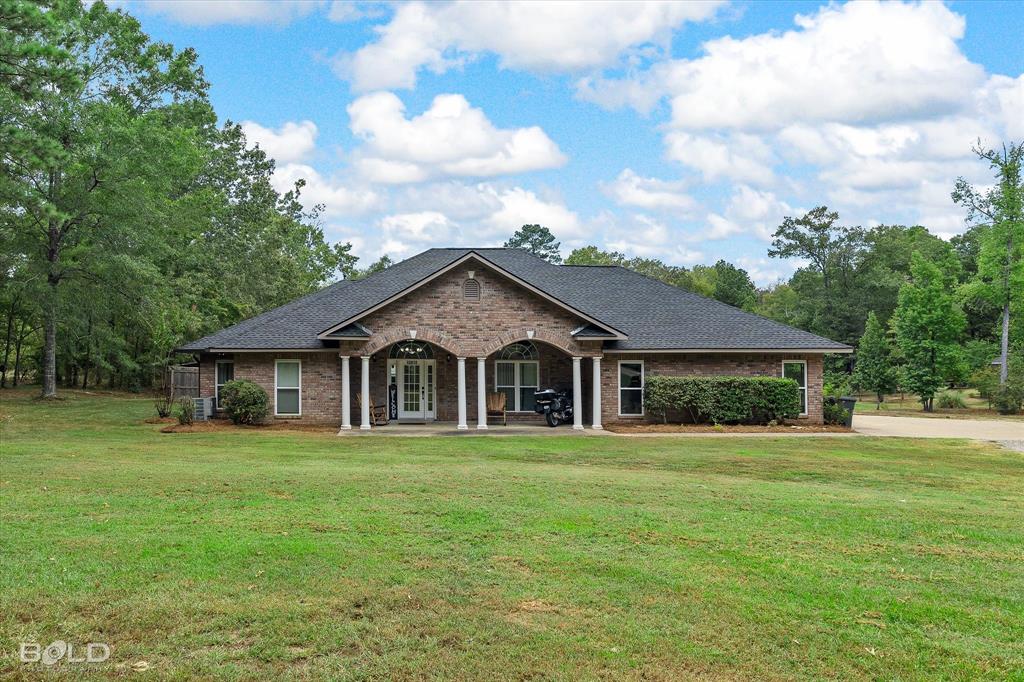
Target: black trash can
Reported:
point(848, 404)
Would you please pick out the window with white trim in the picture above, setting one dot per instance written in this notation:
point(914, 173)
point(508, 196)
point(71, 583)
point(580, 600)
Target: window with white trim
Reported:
point(517, 375)
point(288, 388)
point(797, 371)
point(631, 388)
point(225, 372)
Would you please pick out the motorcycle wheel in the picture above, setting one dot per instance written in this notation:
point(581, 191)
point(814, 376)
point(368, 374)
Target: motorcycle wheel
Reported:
point(552, 419)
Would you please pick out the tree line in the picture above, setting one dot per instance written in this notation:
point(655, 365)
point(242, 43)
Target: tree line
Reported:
point(131, 221)
point(923, 312)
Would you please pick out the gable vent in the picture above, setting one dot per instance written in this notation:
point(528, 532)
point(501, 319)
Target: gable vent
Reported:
point(471, 290)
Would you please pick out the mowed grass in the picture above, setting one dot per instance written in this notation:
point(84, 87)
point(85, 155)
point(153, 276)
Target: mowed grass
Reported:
point(258, 554)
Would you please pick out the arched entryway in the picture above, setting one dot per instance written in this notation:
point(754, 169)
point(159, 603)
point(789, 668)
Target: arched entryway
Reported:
point(412, 382)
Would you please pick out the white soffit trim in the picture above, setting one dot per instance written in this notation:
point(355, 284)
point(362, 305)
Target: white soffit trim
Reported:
point(619, 335)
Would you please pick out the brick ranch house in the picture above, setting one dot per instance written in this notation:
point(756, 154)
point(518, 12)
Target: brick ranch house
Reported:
point(431, 336)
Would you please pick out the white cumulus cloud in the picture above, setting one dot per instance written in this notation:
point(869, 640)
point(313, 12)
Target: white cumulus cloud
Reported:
point(859, 62)
point(554, 36)
point(631, 189)
point(338, 196)
point(291, 142)
point(450, 139)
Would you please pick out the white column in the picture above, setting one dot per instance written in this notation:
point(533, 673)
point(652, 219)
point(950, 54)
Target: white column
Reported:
point(346, 398)
point(462, 394)
point(364, 413)
point(481, 393)
point(577, 399)
point(597, 393)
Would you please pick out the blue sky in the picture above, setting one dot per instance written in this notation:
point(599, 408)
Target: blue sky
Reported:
point(678, 131)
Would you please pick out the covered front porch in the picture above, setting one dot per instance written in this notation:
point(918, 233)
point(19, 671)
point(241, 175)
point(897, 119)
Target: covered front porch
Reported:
point(437, 428)
point(426, 385)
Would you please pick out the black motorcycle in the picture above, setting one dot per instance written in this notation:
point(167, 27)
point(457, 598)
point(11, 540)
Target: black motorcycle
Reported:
point(556, 406)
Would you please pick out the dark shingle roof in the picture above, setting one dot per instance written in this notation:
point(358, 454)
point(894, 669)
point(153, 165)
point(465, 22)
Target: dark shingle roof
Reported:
point(653, 314)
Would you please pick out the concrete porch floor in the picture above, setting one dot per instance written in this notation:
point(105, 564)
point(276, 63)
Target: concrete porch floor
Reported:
point(449, 429)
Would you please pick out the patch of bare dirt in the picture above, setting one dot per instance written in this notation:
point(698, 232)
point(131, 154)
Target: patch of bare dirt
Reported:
point(723, 428)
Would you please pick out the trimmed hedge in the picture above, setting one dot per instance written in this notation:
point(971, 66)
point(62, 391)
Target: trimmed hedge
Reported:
point(722, 399)
point(245, 401)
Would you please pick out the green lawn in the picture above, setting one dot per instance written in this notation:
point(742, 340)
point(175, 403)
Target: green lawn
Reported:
point(252, 554)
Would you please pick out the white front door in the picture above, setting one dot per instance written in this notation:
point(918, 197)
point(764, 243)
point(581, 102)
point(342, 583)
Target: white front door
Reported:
point(416, 379)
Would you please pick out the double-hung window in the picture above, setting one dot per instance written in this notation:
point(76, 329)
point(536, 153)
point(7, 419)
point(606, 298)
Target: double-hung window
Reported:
point(631, 388)
point(288, 388)
point(518, 380)
point(225, 373)
point(797, 371)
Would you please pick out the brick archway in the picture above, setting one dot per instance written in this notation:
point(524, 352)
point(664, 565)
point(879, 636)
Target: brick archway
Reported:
point(381, 340)
point(566, 345)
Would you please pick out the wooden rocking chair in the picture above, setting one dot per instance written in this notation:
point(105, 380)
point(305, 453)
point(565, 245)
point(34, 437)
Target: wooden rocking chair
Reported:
point(378, 415)
point(496, 407)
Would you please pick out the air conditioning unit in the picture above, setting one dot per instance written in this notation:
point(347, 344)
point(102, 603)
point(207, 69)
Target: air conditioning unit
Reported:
point(204, 409)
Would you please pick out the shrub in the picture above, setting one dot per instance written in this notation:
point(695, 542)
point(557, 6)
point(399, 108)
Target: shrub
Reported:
point(986, 381)
point(164, 405)
point(244, 401)
point(722, 400)
point(1009, 399)
point(186, 411)
point(833, 412)
point(951, 400)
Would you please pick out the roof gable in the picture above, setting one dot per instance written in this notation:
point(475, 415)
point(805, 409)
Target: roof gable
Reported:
point(471, 255)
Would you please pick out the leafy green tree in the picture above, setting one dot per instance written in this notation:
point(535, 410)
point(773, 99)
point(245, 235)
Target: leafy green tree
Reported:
point(591, 255)
point(874, 370)
point(733, 286)
point(928, 327)
point(382, 263)
point(89, 209)
point(781, 303)
point(883, 264)
point(538, 240)
point(1000, 256)
point(825, 284)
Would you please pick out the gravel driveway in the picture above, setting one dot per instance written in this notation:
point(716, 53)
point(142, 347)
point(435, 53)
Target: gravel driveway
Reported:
point(1008, 432)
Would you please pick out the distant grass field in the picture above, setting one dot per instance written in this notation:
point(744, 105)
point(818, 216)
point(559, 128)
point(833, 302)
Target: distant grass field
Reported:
point(266, 554)
point(908, 405)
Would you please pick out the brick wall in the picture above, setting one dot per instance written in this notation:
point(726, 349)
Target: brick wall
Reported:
point(321, 380)
point(728, 364)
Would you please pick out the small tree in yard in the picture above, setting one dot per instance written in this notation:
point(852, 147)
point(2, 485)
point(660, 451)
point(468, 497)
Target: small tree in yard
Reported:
point(928, 326)
point(875, 371)
point(538, 240)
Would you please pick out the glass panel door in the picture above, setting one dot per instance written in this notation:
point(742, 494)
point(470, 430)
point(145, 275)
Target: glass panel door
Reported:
point(417, 389)
point(411, 406)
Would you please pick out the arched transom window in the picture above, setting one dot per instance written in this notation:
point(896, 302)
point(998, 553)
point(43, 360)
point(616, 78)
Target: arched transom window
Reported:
point(517, 375)
point(411, 350)
point(523, 350)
